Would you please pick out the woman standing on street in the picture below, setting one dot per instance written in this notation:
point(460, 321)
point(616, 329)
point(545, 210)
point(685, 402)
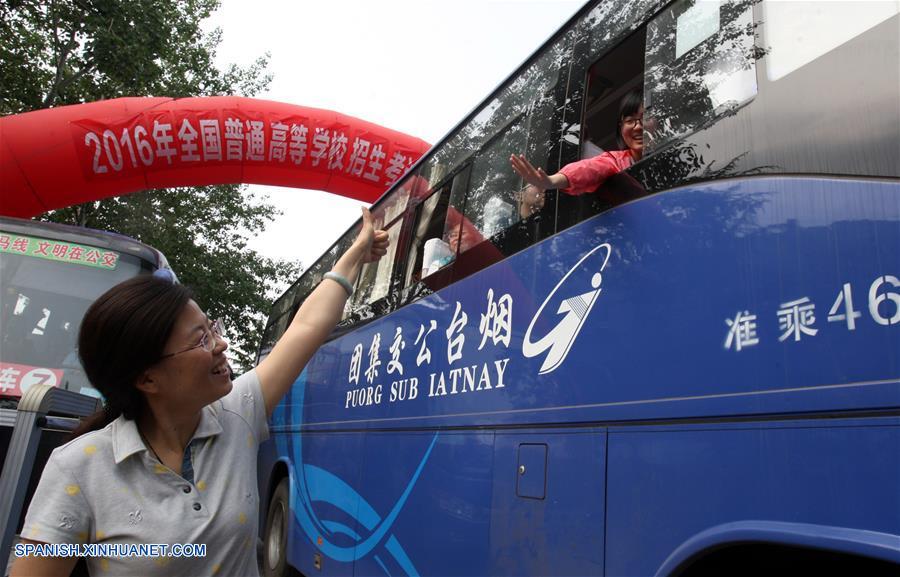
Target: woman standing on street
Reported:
point(173, 459)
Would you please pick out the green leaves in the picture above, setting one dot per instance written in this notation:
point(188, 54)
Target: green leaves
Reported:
point(57, 52)
point(204, 233)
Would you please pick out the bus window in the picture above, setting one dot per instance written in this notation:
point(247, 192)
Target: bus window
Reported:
point(375, 278)
point(429, 245)
point(491, 217)
point(40, 314)
point(490, 205)
point(395, 203)
point(609, 80)
point(700, 64)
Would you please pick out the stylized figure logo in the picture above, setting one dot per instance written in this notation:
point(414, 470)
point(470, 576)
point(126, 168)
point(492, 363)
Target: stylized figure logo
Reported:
point(575, 309)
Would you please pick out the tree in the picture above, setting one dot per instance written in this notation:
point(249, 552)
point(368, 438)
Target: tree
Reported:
point(72, 51)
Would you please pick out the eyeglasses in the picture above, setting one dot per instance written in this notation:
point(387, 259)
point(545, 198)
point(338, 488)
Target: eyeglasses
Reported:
point(207, 341)
point(632, 122)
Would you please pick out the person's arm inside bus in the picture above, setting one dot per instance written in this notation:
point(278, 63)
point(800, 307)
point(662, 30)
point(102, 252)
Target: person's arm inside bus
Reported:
point(33, 566)
point(317, 317)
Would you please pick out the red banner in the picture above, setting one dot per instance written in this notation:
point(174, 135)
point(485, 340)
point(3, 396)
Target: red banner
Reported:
point(124, 145)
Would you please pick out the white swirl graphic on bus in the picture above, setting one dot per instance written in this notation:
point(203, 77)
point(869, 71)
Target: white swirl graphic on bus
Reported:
point(575, 309)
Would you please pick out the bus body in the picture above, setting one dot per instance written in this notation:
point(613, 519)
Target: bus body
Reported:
point(694, 370)
point(49, 275)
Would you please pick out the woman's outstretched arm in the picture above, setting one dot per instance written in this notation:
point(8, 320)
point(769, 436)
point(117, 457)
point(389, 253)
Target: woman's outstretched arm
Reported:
point(317, 317)
point(536, 176)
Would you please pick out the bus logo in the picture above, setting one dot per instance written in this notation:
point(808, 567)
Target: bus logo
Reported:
point(575, 309)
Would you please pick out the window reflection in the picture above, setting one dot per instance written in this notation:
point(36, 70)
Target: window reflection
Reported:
point(491, 204)
point(700, 64)
point(375, 278)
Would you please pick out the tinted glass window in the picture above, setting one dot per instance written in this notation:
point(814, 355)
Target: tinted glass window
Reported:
point(491, 202)
point(828, 108)
point(700, 64)
point(492, 217)
point(429, 249)
point(42, 302)
point(375, 278)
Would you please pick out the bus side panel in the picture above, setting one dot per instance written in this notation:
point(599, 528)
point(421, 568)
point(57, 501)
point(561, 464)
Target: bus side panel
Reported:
point(548, 507)
point(727, 298)
point(666, 485)
point(425, 505)
point(325, 469)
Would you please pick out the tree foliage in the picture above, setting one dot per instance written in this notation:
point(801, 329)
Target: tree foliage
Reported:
point(195, 229)
point(71, 51)
point(61, 52)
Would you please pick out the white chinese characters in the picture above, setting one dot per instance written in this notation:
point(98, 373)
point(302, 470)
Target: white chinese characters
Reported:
point(742, 331)
point(495, 328)
point(170, 139)
point(797, 318)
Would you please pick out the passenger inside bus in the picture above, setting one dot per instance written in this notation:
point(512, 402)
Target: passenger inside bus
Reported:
point(587, 175)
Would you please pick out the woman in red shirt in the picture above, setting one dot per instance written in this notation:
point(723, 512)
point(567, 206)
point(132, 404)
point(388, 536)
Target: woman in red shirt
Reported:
point(587, 175)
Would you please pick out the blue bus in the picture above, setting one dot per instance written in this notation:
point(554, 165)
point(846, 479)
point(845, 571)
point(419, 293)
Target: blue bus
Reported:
point(693, 370)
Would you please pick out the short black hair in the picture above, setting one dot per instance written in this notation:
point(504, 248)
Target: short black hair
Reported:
point(630, 104)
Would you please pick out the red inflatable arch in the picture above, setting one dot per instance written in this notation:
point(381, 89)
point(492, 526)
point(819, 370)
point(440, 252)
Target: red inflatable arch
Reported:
point(72, 154)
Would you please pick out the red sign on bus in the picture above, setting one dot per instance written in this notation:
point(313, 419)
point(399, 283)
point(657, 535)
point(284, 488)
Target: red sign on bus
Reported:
point(16, 379)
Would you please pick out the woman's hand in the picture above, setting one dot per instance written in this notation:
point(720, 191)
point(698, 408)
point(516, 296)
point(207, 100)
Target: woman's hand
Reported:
point(318, 315)
point(536, 176)
point(370, 244)
point(533, 176)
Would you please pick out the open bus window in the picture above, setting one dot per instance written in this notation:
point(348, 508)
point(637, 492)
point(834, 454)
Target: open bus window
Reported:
point(694, 62)
point(701, 64)
point(609, 81)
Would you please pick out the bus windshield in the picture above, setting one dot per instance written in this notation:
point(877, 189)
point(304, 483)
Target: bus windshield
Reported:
point(45, 288)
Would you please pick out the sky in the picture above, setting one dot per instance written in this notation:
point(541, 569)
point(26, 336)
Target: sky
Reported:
point(417, 66)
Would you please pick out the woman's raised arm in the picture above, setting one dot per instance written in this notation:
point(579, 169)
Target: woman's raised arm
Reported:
point(317, 317)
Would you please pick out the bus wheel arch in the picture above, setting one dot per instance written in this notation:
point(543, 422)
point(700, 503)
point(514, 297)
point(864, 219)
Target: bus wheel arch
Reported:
point(746, 548)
